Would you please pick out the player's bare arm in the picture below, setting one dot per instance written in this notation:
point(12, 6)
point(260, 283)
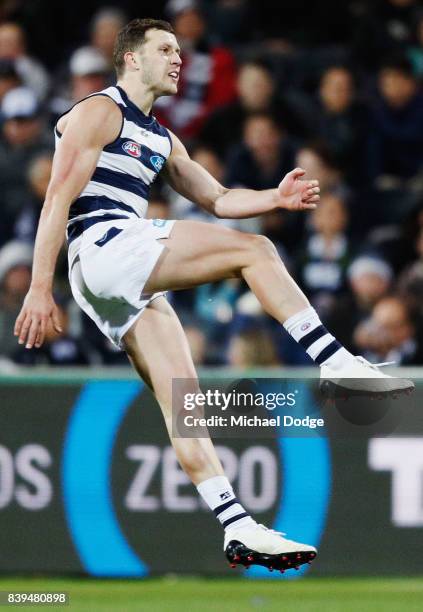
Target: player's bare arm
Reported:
point(191, 180)
point(85, 131)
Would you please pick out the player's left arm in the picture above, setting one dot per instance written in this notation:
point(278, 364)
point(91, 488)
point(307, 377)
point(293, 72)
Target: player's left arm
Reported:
point(191, 180)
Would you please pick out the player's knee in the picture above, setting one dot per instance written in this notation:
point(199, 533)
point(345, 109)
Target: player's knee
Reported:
point(263, 248)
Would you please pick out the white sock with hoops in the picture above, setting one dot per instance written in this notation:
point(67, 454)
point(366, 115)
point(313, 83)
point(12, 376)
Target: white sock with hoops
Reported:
point(307, 329)
point(220, 497)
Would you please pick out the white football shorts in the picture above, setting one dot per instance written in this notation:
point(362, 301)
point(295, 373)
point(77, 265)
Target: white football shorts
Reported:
point(109, 265)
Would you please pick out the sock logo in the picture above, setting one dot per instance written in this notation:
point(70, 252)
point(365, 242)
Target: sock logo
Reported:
point(305, 326)
point(225, 495)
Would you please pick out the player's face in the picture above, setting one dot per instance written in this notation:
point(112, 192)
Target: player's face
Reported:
point(160, 62)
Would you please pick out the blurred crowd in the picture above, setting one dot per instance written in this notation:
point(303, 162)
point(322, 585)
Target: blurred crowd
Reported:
point(332, 87)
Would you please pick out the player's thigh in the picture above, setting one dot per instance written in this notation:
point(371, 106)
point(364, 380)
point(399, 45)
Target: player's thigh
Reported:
point(197, 253)
point(158, 348)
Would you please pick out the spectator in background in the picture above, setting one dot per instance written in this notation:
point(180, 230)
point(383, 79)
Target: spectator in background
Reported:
point(252, 347)
point(88, 74)
point(88, 70)
point(323, 260)
point(370, 280)
point(256, 87)
point(15, 278)
point(197, 341)
point(398, 244)
point(30, 71)
point(260, 161)
point(105, 26)
point(208, 77)
point(39, 171)
point(9, 78)
point(23, 138)
point(265, 155)
point(341, 122)
point(318, 161)
point(396, 139)
point(389, 334)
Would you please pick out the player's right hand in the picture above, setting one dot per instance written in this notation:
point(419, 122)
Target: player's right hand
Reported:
point(37, 310)
point(295, 193)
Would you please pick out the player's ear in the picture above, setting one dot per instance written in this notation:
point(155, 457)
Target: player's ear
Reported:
point(131, 61)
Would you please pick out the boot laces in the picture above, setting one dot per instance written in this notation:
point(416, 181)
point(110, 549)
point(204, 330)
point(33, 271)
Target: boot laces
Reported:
point(374, 366)
point(273, 531)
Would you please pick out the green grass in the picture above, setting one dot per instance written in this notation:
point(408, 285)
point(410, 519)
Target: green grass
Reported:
point(220, 595)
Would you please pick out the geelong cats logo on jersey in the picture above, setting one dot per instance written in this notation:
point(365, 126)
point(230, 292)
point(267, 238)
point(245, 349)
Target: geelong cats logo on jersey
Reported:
point(157, 161)
point(132, 148)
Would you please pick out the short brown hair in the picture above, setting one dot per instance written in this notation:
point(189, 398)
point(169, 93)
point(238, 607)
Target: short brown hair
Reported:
point(132, 36)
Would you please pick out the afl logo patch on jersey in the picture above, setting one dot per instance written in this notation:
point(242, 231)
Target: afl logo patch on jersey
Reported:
point(132, 148)
point(157, 161)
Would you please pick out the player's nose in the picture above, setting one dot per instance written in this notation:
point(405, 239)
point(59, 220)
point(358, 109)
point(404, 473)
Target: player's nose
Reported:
point(176, 59)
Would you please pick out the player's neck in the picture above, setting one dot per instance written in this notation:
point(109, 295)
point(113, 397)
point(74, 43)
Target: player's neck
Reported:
point(138, 94)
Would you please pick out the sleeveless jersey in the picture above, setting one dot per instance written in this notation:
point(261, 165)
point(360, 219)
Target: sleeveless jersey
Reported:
point(119, 187)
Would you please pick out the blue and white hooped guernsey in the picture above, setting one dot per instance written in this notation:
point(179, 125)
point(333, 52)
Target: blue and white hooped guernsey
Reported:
point(120, 185)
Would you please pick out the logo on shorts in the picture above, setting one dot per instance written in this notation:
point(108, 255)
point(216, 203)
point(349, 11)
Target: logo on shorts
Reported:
point(225, 495)
point(305, 326)
point(132, 148)
point(157, 161)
